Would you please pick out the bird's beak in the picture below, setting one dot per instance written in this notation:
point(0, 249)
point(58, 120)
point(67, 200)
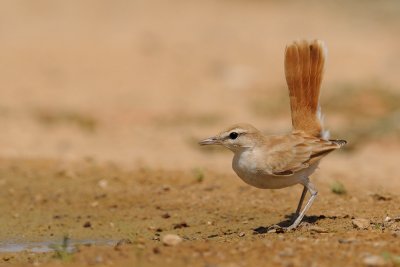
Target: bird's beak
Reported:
point(214, 140)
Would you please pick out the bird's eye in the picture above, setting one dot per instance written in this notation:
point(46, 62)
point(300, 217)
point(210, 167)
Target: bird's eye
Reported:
point(233, 135)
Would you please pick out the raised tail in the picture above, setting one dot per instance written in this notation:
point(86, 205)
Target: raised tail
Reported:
point(304, 68)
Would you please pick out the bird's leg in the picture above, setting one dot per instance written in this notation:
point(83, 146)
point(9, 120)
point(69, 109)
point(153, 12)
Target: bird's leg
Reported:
point(303, 194)
point(313, 191)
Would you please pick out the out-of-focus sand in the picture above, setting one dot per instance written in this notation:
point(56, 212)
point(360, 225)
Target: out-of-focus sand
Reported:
point(152, 77)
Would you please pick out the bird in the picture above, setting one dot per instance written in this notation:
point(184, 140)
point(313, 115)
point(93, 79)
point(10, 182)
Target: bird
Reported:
point(283, 160)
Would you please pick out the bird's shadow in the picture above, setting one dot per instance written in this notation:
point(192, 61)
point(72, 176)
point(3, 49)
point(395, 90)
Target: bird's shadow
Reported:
point(289, 219)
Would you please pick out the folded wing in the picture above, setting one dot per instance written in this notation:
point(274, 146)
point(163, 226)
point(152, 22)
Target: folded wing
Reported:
point(299, 153)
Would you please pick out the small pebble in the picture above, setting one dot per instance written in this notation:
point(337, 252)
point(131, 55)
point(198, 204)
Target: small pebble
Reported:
point(318, 229)
point(171, 240)
point(361, 223)
point(94, 204)
point(241, 234)
point(373, 260)
point(103, 183)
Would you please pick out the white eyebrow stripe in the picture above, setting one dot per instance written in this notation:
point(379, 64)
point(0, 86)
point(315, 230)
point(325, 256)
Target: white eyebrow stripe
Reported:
point(236, 130)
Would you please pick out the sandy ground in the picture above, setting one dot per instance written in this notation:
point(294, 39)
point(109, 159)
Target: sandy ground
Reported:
point(102, 105)
point(222, 221)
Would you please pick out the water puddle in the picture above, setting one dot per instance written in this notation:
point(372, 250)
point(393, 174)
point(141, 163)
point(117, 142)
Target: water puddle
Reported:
point(49, 246)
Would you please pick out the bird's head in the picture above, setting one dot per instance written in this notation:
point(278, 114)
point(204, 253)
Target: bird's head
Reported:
point(236, 137)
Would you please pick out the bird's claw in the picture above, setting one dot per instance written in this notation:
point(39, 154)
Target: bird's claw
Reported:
point(276, 228)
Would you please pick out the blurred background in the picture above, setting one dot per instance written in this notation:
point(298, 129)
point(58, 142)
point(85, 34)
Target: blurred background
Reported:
point(140, 82)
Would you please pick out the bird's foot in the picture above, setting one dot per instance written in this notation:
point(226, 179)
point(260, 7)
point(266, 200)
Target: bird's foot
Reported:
point(277, 229)
point(290, 228)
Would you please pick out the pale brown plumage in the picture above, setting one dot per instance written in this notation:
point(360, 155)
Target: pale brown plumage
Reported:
point(296, 151)
point(278, 161)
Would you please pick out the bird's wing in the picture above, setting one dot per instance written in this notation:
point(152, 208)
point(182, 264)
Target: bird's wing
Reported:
point(298, 153)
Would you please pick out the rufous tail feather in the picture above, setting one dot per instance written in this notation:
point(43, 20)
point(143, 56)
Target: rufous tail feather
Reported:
point(304, 68)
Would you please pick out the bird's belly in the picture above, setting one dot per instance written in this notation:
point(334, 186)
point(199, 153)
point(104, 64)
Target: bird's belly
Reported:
point(255, 176)
point(266, 181)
